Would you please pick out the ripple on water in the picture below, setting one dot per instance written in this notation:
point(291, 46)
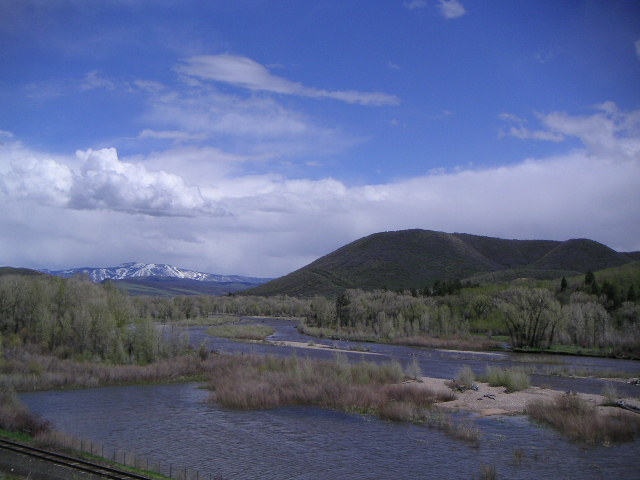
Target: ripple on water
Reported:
point(173, 423)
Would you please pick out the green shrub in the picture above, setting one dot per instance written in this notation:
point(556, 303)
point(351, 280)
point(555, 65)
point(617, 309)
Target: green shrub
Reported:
point(514, 379)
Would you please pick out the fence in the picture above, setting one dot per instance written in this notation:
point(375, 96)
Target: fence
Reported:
point(128, 459)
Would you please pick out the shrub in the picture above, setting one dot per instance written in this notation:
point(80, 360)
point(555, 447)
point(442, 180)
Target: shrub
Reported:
point(15, 417)
point(463, 380)
point(580, 421)
point(610, 394)
point(514, 379)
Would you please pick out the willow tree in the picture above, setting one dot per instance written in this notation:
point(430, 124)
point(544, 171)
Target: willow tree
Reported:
point(531, 315)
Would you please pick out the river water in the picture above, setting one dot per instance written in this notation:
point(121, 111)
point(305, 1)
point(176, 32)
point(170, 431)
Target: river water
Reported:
point(174, 423)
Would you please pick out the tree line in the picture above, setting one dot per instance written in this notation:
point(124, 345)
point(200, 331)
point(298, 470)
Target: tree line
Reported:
point(77, 318)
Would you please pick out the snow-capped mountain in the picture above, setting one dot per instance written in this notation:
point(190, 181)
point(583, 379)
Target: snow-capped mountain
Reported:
point(142, 270)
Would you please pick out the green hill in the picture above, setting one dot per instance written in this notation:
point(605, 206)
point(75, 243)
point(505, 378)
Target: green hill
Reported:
point(415, 258)
point(19, 271)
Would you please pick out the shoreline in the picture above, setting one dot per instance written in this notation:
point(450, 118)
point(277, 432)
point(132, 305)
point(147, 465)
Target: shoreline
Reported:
point(490, 401)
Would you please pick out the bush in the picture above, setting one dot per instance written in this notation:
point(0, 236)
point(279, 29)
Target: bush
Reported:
point(580, 421)
point(465, 378)
point(15, 417)
point(514, 379)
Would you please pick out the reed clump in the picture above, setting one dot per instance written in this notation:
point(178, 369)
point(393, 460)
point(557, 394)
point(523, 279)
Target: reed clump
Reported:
point(253, 382)
point(513, 379)
point(580, 421)
point(470, 342)
point(28, 372)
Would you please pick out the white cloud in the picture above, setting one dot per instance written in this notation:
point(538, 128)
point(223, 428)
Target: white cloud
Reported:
point(451, 8)
point(637, 48)
point(277, 224)
point(253, 126)
point(170, 135)
point(415, 4)
point(93, 80)
point(516, 128)
point(103, 182)
point(246, 73)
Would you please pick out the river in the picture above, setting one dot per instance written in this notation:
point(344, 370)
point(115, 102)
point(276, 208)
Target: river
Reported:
point(175, 423)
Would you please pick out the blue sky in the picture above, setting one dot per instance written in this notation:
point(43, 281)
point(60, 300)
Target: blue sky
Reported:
point(251, 137)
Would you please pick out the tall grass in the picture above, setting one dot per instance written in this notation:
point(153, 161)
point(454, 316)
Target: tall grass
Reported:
point(514, 379)
point(254, 382)
point(581, 422)
point(28, 372)
point(469, 342)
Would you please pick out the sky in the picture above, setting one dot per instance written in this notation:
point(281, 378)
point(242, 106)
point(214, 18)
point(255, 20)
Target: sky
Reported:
point(251, 137)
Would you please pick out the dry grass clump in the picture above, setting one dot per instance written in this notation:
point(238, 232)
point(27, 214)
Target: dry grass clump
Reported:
point(513, 379)
point(580, 421)
point(253, 382)
point(241, 332)
point(257, 382)
point(27, 372)
point(463, 380)
point(15, 416)
point(449, 343)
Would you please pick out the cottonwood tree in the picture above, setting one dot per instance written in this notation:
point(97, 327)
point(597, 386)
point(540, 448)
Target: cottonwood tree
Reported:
point(531, 316)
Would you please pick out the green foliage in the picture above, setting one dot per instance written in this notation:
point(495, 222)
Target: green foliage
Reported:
point(413, 259)
point(514, 379)
point(531, 315)
point(75, 318)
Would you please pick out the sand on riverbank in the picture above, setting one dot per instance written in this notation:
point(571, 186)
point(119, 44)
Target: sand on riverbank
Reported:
point(486, 400)
point(318, 346)
point(489, 400)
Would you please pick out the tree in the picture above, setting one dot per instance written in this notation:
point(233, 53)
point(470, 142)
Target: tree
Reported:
point(589, 278)
point(563, 284)
point(531, 315)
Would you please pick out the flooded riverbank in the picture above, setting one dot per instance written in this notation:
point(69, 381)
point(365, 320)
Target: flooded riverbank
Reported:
point(174, 421)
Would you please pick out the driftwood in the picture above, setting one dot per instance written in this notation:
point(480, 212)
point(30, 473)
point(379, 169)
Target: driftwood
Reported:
point(626, 406)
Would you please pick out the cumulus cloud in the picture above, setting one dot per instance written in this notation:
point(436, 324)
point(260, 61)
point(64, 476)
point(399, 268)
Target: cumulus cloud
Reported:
point(103, 182)
point(451, 8)
point(247, 73)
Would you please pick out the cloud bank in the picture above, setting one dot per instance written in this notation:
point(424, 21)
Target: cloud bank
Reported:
point(236, 221)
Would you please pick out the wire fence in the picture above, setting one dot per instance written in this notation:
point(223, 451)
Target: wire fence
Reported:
point(128, 459)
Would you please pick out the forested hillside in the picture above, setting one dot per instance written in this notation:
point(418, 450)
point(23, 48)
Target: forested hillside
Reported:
point(414, 259)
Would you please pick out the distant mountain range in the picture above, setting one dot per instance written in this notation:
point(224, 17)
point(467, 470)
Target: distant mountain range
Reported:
point(162, 279)
point(416, 258)
point(131, 270)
